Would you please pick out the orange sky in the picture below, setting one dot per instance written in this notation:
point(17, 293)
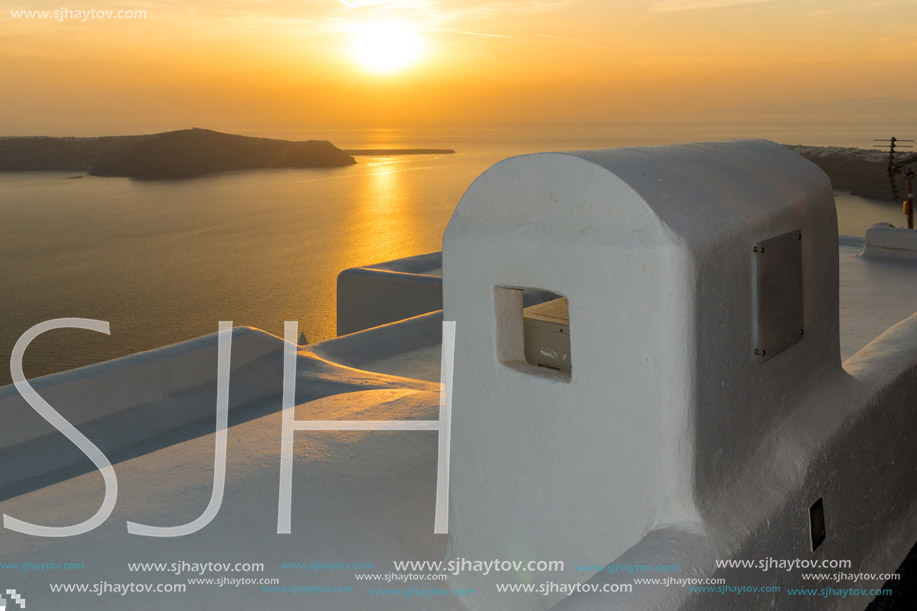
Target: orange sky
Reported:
point(295, 64)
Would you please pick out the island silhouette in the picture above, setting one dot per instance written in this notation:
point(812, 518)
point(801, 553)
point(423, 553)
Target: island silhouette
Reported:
point(183, 153)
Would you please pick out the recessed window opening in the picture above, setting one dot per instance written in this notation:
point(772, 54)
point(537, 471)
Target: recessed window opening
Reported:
point(536, 337)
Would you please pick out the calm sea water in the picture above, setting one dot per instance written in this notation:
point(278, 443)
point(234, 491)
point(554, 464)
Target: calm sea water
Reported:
point(165, 261)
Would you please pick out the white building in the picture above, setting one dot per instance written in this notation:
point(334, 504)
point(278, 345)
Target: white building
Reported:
point(706, 398)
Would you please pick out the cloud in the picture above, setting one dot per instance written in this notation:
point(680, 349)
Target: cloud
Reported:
point(672, 6)
point(540, 38)
point(419, 5)
point(454, 9)
point(485, 34)
point(577, 41)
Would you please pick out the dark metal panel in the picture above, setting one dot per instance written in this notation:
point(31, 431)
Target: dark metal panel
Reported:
point(779, 294)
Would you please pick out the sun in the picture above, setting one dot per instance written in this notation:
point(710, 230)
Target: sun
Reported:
point(384, 47)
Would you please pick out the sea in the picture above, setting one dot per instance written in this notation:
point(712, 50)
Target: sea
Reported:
point(165, 261)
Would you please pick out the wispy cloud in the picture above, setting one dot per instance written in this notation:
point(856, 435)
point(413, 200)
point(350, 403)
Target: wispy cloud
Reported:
point(485, 34)
point(544, 38)
point(454, 9)
point(672, 6)
point(393, 4)
point(577, 41)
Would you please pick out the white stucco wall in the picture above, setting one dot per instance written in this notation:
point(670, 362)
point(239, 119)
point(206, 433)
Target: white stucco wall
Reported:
point(849, 443)
point(128, 400)
point(379, 294)
point(885, 240)
point(653, 247)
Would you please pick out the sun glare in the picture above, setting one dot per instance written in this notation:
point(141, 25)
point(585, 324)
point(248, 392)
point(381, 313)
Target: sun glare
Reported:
point(385, 47)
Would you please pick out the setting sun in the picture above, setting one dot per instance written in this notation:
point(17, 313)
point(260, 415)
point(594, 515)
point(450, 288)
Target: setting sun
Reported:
point(386, 46)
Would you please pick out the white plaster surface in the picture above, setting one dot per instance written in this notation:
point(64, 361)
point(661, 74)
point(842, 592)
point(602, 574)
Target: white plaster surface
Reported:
point(884, 240)
point(387, 292)
point(357, 497)
point(653, 248)
point(875, 294)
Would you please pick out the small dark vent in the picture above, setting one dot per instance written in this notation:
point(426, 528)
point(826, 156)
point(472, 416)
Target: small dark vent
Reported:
point(817, 523)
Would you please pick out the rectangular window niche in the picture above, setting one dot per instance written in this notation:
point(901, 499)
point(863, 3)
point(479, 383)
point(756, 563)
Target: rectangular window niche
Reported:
point(534, 339)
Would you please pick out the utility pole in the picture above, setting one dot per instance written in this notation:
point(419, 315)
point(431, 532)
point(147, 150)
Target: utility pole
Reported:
point(893, 168)
point(909, 202)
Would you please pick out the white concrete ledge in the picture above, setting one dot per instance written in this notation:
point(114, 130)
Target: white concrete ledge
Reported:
point(851, 240)
point(683, 545)
point(388, 292)
point(384, 293)
point(408, 348)
point(888, 358)
point(129, 400)
point(103, 389)
point(885, 240)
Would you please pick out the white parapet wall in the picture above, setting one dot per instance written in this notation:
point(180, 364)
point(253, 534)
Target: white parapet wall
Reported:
point(388, 292)
point(886, 240)
point(132, 399)
point(379, 294)
point(706, 395)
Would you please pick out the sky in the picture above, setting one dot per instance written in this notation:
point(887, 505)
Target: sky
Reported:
point(249, 65)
